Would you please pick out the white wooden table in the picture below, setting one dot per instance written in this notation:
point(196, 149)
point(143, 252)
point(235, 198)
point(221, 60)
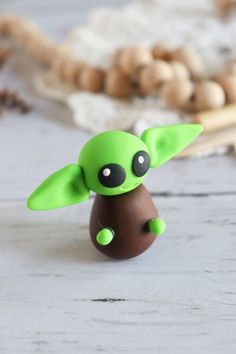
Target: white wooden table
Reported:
point(57, 293)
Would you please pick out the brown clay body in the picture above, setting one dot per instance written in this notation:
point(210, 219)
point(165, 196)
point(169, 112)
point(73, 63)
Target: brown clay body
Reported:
point(127, 215)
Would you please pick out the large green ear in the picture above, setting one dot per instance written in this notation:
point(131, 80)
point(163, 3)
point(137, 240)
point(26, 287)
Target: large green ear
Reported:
point(165, 142)
point(64, 187)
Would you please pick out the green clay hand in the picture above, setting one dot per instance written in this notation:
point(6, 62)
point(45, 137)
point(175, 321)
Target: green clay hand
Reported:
point(156, 226)
point(105, 236)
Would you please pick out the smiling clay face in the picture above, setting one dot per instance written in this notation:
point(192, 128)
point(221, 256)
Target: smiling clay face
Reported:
point(114, 162)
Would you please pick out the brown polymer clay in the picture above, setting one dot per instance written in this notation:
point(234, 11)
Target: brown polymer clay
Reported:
point(127, 215)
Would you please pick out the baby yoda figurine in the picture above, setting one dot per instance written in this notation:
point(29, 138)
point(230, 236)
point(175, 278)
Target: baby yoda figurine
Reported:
point(124, 221)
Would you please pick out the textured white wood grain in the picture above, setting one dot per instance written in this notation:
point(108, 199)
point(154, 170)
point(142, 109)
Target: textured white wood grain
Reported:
point(57, 293)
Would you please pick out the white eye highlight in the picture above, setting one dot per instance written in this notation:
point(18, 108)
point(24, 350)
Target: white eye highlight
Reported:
point(106, 172)
point(141, 159)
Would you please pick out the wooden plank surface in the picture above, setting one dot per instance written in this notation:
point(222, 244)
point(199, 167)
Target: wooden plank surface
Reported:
point(57, 293)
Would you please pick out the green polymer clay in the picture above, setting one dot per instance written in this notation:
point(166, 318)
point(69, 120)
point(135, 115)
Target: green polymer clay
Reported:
point(111, 147)
point(104, 237)
point(62, 188)
point(157, 226)
point(166, 142)
point(111, 152)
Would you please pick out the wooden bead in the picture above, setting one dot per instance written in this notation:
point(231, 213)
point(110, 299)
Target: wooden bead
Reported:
point(191, 60)
point(57, 66)
point(118, 84)
point(31, 45)
point(132, 59)
point(40, 48)
point(71, 71)
point(208, 95)
point(177, 93)
point(59, 57)
point(47, 54)
point(228, 83)
point(31, 41)
point(179, 70)
point(91, 79)
point(68, 70)
point(23, 30)
point(153, 76)
point(161, 51)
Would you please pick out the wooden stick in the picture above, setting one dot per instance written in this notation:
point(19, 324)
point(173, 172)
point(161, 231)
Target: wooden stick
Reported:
point(216, 119)
point(208, 143)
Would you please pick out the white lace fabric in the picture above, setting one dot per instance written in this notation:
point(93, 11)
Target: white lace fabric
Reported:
point(192, 23)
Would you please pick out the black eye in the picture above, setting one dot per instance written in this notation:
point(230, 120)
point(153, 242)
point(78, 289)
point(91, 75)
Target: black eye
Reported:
point(111, 175)
point(141, 163)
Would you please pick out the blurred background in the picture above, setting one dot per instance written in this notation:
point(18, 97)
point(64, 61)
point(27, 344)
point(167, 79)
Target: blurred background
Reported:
point(198, 39)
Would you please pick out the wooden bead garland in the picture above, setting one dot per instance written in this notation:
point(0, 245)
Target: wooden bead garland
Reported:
point(201, 96)
point(191, 60)
point(158, 73)
point(183, 55)
point(135, 70)
point(131, 60)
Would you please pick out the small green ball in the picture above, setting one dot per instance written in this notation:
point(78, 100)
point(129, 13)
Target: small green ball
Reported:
point(157, 226)
point(104, 237)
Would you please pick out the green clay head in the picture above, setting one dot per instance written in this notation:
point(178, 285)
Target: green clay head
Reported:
point(112, 163)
